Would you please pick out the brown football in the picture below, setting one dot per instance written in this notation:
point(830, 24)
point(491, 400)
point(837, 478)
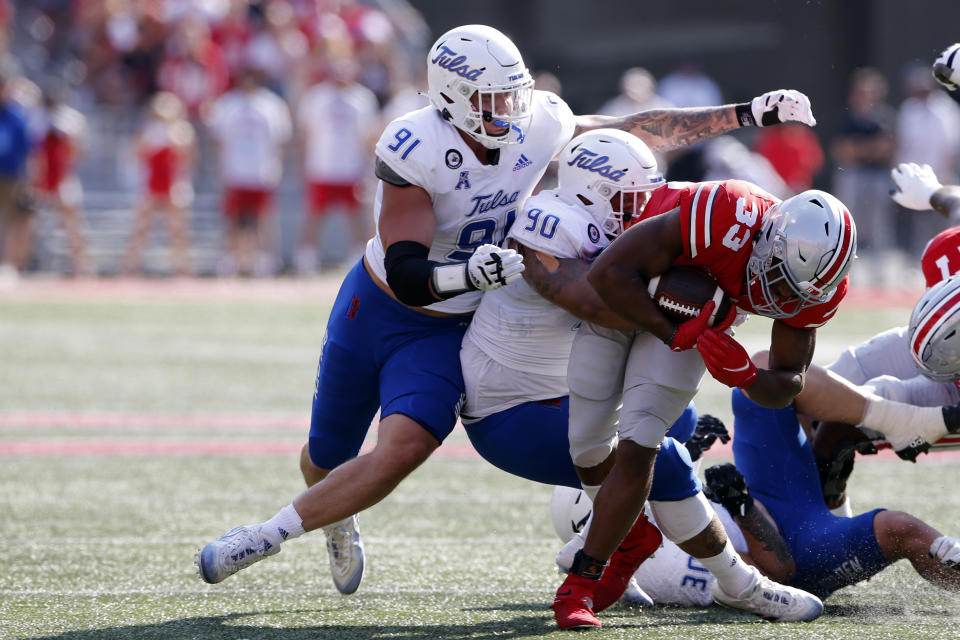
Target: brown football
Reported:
point(681, 292)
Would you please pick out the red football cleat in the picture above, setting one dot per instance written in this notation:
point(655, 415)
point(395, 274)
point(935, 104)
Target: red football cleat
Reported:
point(573, 602)
point(641, 541)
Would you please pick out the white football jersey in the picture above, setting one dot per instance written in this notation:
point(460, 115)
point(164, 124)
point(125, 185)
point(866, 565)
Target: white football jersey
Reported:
point(474, 203)
point(671, 576)
point(888, 354)
point(517, 327)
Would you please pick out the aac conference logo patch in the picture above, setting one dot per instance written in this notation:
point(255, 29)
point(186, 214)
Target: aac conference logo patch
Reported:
point(454, 159)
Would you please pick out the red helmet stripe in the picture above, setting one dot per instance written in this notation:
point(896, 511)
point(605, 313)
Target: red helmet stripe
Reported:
point(842, 255)
point(931, 321)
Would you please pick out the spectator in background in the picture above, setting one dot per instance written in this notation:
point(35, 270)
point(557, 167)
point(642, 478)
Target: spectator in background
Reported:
point(794, 152)
point(638, 92)
point(928, 132)
point(250, 126)
point(409, 96)
point(276, 46)
point(231, 32)
point(688, 86)
point(374, 43)
point(194, 68)
point(726, 158)
point(60, 136)
point(340, 121)
point(862, 152)
point(166, 147)
point(16, 213)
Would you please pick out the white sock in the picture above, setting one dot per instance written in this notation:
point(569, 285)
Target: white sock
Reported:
point(283, 526)
point(902, 423)
point(591, 490)
point(844, 510)
point(733, 575)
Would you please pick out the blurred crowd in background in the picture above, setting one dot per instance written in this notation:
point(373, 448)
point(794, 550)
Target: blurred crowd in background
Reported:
point(235, 137)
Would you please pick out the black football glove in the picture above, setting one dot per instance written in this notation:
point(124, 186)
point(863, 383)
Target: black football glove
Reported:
point(708, 430)
point(726, 485)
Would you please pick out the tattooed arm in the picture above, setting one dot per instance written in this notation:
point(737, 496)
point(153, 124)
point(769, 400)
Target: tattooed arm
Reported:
point(563, 281)
point(726, 486)
point(665, 129)
point(766, 546)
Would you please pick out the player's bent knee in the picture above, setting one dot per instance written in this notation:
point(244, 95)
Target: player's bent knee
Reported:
point(590, 456)
point(681, 520)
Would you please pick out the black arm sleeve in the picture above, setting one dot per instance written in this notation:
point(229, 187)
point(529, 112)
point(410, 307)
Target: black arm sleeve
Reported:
point(388, 175)
point(409, 273)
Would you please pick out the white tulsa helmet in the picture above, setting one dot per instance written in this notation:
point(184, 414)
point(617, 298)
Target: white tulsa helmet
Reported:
point(475, 73)
point(600, 168)
point(803, 251)
point(569, 509)
point(934, 331)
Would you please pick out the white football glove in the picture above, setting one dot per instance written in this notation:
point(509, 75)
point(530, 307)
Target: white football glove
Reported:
point(782, 105)
point(915, 184)
point(491, 267)
point(946, 68)
point(947, 551)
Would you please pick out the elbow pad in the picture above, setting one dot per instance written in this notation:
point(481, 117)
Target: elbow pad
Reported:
point(409, 273)
point(417, 281)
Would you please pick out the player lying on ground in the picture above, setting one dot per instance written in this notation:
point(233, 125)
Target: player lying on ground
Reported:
point(516, 351)
point(893, 365)
point(452, 177)
point(774, 486)
point(900, 385)
point(783, 260)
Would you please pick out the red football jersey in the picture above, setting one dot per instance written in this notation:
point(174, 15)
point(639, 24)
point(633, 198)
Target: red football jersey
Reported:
point(941, 257)
point(718, 222)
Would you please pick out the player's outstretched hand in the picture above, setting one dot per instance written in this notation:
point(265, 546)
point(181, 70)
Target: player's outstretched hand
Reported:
point(726, 359)
point(709, 429)
point(491, 267)
point(915, 184)
point(947, 551)
point(782, 105)
point(726, 485)
point(946, 68)
point(687, 333)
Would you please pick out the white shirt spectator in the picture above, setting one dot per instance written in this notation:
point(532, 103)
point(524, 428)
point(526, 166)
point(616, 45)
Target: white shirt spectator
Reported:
point(689, 87)
point(251, 129)
point(340, 123)
point(928, 132)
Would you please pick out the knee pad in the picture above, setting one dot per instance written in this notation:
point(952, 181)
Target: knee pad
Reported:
point(649, 410)
point(592, 429)
point(681, 520)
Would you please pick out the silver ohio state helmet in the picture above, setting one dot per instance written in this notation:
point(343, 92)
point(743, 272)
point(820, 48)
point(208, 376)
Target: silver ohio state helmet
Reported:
point(803, 251)
point(600, 164)
point(934, 331)
point(476, 74)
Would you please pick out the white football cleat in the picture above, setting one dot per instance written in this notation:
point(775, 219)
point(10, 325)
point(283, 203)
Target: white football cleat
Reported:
point(237, 549)
point(346, 554)
point(635, 596)
point(772, 601)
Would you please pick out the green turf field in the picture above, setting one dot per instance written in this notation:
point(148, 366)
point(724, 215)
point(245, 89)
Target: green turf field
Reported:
point(111, 415)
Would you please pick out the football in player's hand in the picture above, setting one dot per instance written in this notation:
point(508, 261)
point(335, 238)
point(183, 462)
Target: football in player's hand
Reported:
point(681, 292)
